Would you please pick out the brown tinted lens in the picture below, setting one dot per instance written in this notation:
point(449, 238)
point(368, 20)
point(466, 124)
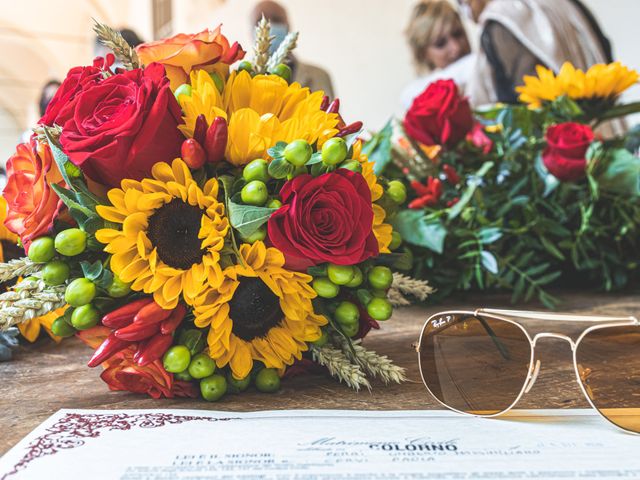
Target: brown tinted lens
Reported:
point(608, 362)
point(474, 364)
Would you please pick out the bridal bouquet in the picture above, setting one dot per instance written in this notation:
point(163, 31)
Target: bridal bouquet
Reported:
point(202, 228)
point(520, 197)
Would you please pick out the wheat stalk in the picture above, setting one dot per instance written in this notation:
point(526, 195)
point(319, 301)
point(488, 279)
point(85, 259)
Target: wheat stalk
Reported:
point(54, 131)
point(19, 267)
point(376, 365)
point(114, 40)
point(340, 367)
point(410, 286)
point(283, 51)
point(261, 46)
point(29, 299)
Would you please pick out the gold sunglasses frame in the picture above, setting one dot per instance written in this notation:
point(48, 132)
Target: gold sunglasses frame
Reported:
point(532, 373)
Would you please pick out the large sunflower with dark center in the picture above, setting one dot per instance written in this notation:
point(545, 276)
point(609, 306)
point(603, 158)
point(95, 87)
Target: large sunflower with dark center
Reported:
point(171, 234)
point(261, 311)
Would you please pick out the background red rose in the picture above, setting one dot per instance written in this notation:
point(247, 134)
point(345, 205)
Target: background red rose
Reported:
point(60, 107)
point(324, 219)
point(439, 115)
point(567, 145)
point(123, 125)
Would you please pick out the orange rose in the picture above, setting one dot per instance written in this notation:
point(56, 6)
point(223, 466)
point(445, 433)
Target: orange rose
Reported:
point(32, 203)
point(208, 50)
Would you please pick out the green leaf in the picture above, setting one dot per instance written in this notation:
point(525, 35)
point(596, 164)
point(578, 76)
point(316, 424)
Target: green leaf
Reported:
point(379, 148)
point(470, 190)
point(489, 262)
point(280, 168)
point(317, 270)
point(315, 158)
point(277, 151)
point(69, 198)
point(550, 182)
point(489, 235)
point(551, 248)
point(622, 174)
point(415, 228)
point(91, 271)
point(246, 219)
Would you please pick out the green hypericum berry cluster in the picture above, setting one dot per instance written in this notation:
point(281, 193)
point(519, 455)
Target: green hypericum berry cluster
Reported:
point(62, 256)
point(189, 362)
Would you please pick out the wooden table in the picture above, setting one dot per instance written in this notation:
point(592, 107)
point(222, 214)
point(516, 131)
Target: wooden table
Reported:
point(45, 377)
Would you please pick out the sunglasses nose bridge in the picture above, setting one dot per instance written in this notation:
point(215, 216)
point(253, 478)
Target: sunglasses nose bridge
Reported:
point(553, 335)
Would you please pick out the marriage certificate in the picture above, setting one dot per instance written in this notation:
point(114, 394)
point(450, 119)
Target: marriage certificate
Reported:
point(322, 444)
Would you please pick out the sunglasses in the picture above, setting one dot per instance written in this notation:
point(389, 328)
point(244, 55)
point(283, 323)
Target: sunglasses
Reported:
point(482, 362)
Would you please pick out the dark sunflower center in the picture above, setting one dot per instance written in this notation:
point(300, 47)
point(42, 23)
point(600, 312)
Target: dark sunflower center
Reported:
point(254, 309)
point(173, 230)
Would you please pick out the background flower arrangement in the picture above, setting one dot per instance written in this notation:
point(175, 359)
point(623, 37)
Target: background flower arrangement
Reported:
point(520, 197)
point(202, 228)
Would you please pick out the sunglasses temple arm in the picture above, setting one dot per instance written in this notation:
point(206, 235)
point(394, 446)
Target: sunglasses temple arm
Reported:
point(503, 350)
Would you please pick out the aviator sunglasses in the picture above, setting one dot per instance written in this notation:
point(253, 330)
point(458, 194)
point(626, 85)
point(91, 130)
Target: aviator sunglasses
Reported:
point(482, 362)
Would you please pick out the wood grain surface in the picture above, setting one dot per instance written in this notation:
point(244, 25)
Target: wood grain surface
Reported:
point(45, 377)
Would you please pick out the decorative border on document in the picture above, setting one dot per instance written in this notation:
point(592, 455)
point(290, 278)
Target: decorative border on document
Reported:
point(73, 429)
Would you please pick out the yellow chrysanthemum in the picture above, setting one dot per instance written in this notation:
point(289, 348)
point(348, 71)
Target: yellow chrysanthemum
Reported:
point(260, 111)
point(5, 235)
point(171, 235)
point(600, 82)
point(261, 311)
point(381, 230)
point(31, 328)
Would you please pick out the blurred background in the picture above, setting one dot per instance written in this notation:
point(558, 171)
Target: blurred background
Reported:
point(360, 43)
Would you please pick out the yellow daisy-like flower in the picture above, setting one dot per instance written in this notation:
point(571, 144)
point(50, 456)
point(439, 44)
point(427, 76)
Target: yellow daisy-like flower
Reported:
point(260, 111)
point(599, 82)
point(381, 230)
point(171, 235)
point(260, 311)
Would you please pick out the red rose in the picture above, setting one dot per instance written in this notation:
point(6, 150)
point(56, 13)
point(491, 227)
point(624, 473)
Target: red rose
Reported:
point(324, 219)
point(60, 109)
point(567, 145)
point(439, 115)
point(123, 125)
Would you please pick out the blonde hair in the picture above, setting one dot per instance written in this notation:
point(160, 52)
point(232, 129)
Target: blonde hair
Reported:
point(428, 19)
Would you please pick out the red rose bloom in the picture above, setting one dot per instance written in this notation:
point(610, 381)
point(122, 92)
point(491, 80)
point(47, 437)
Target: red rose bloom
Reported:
point(60, 107)
point(439, 115)
point(122, 126)
point(324, 219)
point(567, 145)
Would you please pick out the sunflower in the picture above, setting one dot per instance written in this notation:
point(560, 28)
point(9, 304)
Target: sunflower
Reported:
point(172, 233)
point(600, 83)
point(260, 111)
point(381, 230)
point(260, 311)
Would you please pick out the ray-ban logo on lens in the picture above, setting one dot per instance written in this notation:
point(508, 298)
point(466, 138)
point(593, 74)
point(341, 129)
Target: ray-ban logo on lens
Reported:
point(441, 321)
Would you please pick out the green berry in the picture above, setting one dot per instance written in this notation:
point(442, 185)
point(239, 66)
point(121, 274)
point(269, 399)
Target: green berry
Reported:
point(347, 314)
point(350, 329)
point(297, 171)
point(118, 288)
point(259, 235)
point(396, 240)
point(246, 66)
point(334, 151)
point(274, 203)
point(340, 274)
point(202, 365)
point(254, 193)
point(397, 191)
point(380, 277)
point(41, 250)
point(298, 152)
point(184, 89)
point(283, 71)
point(184, 376)
point(352, 165)
point(61, 328)
point(176, 359)
point(379, 309)
point(71, 242)
point(217, 80)
point(238, 385)
point(80, 292)
point(322, 341)
point(85, 317)
point(325, 288)
point(55, 272)
point(257, 169)
point(268, 380)
point(213, 388)
point(357, 279)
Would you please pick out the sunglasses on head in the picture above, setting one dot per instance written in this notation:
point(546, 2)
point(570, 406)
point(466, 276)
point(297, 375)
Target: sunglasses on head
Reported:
point(481, 362)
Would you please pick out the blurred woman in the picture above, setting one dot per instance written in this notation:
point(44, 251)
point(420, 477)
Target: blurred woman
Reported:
point(439, 46)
